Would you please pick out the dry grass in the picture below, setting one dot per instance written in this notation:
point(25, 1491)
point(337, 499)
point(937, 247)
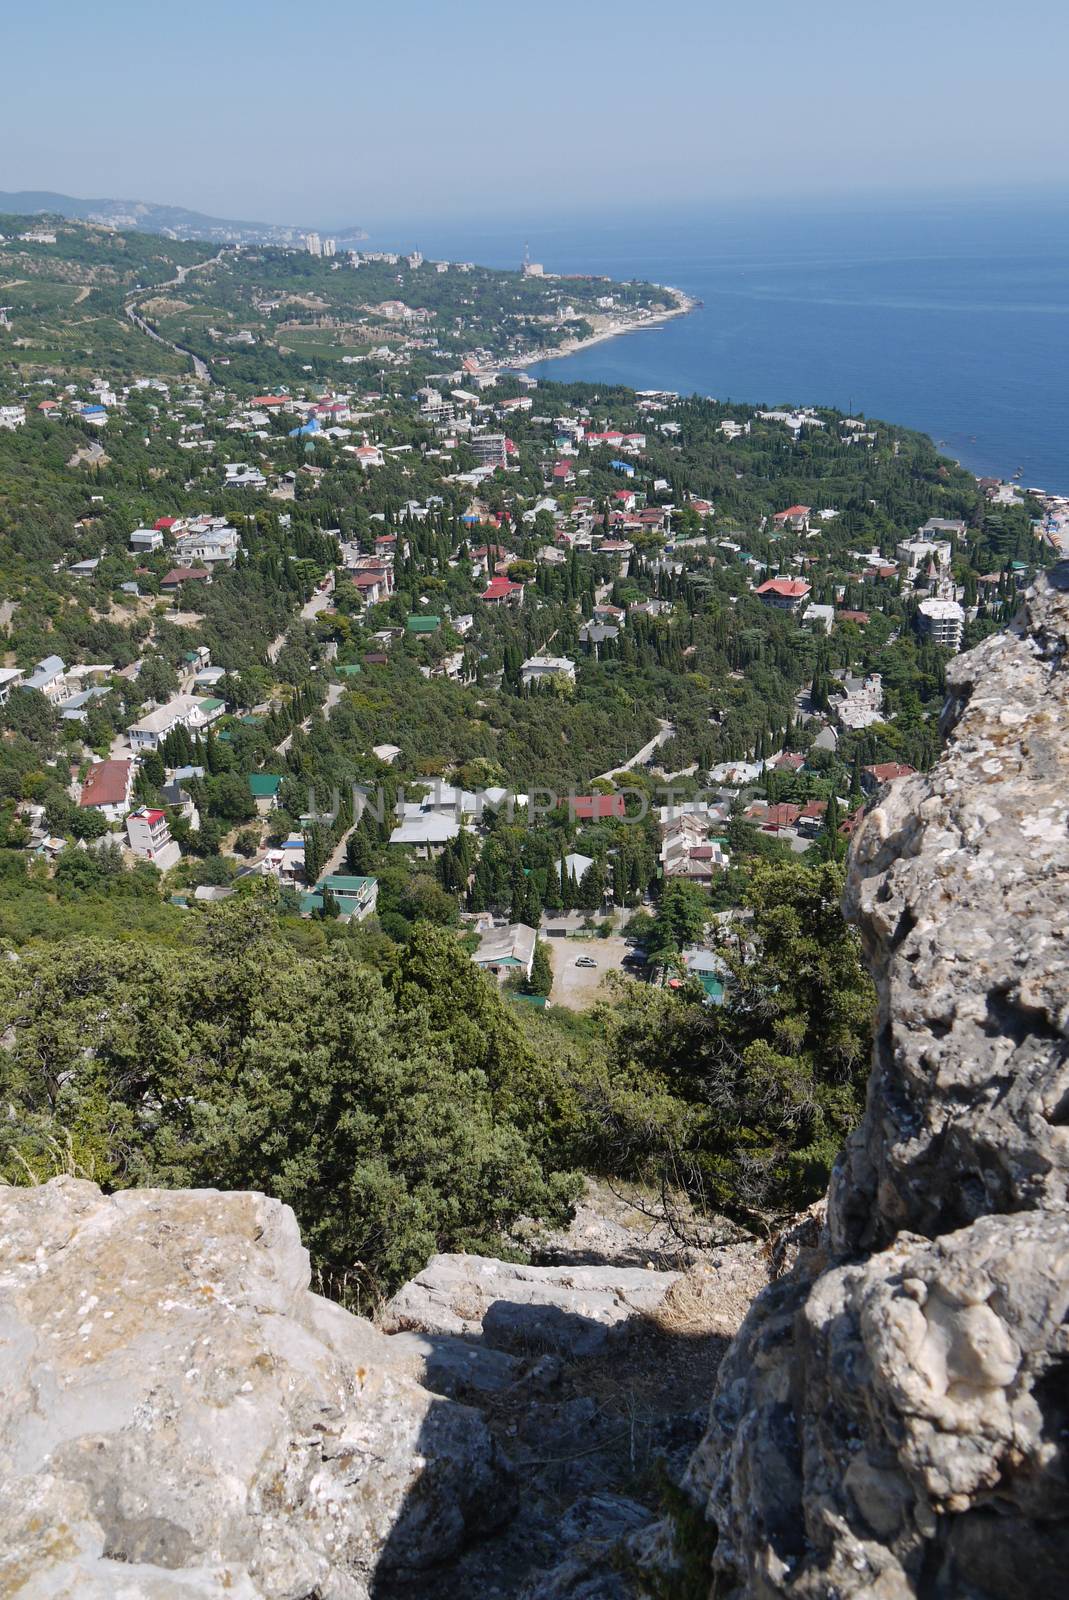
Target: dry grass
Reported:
point(702, 1302)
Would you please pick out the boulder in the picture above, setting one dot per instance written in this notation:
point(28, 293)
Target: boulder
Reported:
point(892, 1418)
point(572, 1311)
point(180, 1416)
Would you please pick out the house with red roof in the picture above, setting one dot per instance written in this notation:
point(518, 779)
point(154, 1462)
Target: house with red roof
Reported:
point(786, 594)
point(107, 788)
point(796, 518)
point(164, 524)
point(783, 815)
point(595, 807)
point(502, 591)
point(885, 772)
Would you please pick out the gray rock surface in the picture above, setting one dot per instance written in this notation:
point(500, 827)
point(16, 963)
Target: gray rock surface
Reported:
point(573, 1310)
point(893, 1417)
point(180, 1416)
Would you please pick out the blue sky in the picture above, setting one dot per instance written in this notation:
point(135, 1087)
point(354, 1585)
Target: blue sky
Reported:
point(342, 110)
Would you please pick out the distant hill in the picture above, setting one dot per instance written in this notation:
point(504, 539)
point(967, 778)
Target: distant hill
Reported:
point(174, 222)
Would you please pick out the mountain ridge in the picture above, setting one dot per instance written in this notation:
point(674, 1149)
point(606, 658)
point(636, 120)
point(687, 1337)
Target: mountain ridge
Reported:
point(145, 216)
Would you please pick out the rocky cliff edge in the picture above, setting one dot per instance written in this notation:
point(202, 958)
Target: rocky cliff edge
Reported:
point(893, 1418)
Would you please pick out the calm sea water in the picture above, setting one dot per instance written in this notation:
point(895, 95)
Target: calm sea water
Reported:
point(949, 317)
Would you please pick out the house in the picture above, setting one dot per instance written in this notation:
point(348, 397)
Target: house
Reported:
point(285, 862)
point(150, 839)
point(941, 622)
point(502, 591)
point(780, 816)
point(426, 835)
point(594, 807)
point(367, 455)
point(885, 772)
point(863, 704)
point(423, 625)
point(371, 586)
point(597, 633)
point(356, 897)
point(575, 866)
point(49, 676)
point(144, 540)
point(506, 950)
point(786, 594)
point(811, 817)
point(264, 787)
point(540, 669)
point(172, 581)
point(708, 969)
point(239, 475)
point(386, 752)
point(9, 677)
point(796, 518)
point(107, 788)
point(214, 547)
point(184, 711)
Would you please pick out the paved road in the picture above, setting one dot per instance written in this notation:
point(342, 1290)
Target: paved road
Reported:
point(648, 750)
point(308, 612)
point(200, 370)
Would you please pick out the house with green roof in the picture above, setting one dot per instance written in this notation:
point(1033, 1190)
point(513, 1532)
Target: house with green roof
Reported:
point(423, 624)
point(264, 787)
point(356, 897)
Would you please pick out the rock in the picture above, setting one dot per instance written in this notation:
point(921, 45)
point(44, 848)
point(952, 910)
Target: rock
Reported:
point(456, 1367)
point(616, 1226)
point(573, 1311)
point(592, 1529)
point(180, 1416)
point(892, 1419)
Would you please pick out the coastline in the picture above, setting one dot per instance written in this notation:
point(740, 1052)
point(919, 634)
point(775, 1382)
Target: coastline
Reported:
point(684, 305)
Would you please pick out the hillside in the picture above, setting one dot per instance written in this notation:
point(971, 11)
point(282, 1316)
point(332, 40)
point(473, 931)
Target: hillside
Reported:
point(175, 222)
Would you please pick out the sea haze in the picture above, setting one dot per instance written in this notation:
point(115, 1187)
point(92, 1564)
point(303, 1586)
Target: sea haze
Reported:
point(952, 317)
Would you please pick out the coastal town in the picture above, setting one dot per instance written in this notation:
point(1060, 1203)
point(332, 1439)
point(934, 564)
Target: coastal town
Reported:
point(554, 659)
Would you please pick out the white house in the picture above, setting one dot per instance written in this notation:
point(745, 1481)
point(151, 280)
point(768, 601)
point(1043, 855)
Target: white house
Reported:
point(184, 711)
point(239, 475)
point(150, 839)
point(537, 669)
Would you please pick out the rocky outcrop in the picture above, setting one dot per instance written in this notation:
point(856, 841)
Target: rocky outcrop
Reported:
point(181, 1417)
point(893, 1419)
point(573, 1311)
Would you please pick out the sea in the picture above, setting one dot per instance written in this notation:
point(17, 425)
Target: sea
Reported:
point(950, 315)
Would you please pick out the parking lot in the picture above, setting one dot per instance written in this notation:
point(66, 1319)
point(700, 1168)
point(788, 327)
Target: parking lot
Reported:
point(577, 987)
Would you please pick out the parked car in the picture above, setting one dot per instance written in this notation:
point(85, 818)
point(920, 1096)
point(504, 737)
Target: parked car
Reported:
point(585, 961)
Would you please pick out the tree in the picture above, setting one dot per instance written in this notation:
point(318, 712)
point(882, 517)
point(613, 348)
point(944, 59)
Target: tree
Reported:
point(591, 893)
point(541, 979)
point(397, 1115)
point(680, 919)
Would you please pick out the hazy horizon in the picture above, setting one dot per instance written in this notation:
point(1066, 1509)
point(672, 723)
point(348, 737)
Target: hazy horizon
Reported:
point(347, 115)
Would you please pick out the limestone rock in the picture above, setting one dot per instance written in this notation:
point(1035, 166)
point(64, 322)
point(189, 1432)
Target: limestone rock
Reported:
point(893, 1417)
point(574, 1311)
point(180, 1416)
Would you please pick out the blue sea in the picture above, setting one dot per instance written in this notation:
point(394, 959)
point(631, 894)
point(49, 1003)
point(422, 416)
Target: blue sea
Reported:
point(951, 316)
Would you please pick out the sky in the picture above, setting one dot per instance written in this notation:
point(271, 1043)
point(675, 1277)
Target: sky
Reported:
point(344, 111)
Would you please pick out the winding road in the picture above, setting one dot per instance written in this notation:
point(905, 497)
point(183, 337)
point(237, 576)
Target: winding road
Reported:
point(200, 368)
